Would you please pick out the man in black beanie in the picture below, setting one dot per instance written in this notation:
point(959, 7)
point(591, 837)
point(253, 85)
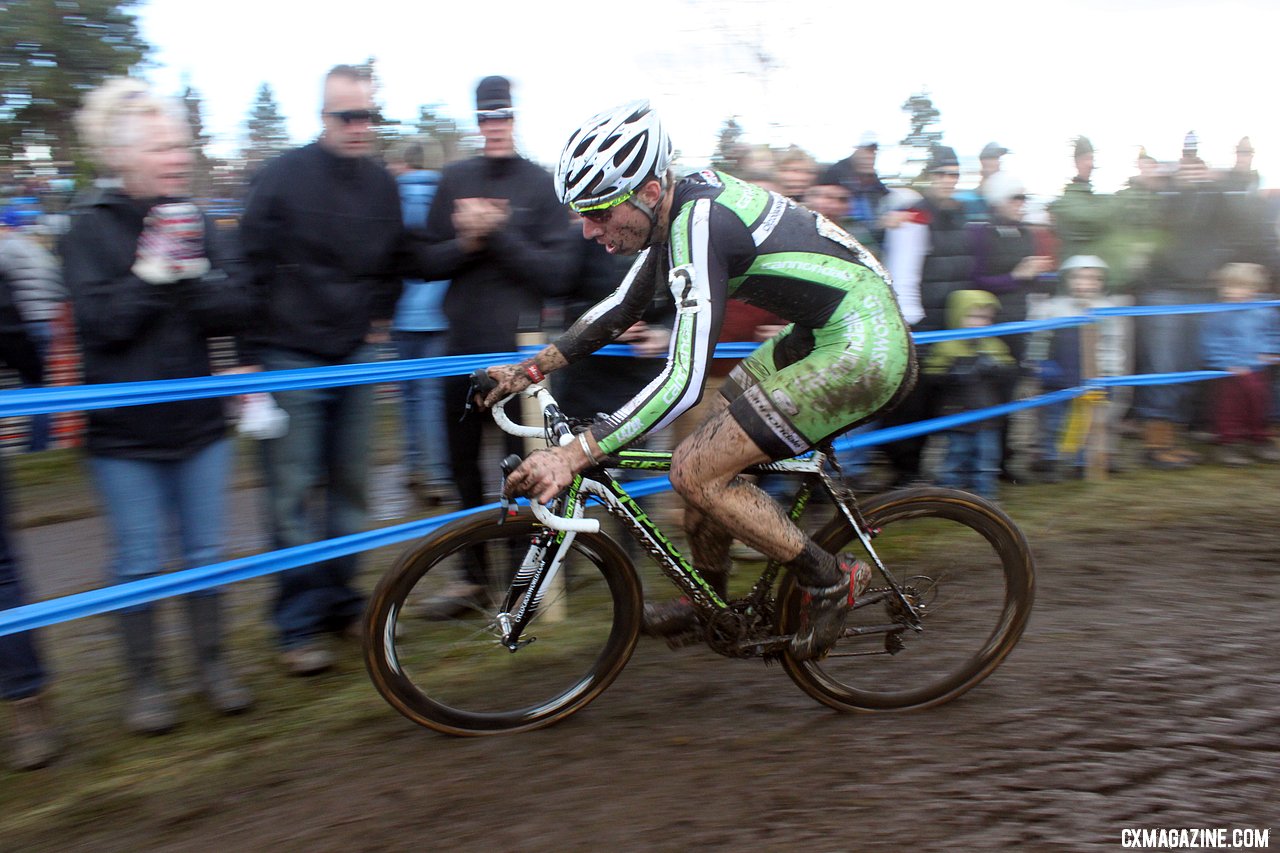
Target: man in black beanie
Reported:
point(497, 231)
point(939, 265)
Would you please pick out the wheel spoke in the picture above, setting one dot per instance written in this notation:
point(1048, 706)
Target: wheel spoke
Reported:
point(451, 670)
point(969, 569)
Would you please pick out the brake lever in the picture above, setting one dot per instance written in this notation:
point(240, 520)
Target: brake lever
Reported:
point(508, 465)
point(481, 383)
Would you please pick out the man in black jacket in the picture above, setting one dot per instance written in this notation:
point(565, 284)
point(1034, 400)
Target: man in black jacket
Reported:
point(857, 174)
point(497, 231)
point(942, 265)
point(322, 229)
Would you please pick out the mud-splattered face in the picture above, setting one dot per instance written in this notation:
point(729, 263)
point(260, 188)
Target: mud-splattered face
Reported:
point(625, 230)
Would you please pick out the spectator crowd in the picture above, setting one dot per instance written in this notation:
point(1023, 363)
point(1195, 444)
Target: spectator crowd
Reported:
point(344, 251)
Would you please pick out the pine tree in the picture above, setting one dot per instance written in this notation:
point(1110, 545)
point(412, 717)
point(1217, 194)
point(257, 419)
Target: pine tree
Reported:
point(387, 130)
point(50, 55)
point(267, 133)
point(203, 167)
point(923, 114)
point(454, 144)
point(728, 145)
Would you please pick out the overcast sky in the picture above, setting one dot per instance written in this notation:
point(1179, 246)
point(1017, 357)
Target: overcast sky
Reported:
point(1030, 74)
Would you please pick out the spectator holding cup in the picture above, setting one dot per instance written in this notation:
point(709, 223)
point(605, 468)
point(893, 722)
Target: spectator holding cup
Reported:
point(152, 279)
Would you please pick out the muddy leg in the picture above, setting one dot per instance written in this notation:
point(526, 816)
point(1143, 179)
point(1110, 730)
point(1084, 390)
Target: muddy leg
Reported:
point(710, 544)
point(705, 473)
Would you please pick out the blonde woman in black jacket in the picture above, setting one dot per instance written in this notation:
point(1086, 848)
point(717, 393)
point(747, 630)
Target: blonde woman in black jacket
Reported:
point(151, 281)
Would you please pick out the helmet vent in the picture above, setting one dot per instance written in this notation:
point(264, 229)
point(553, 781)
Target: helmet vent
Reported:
point(583, 146)
point(627, 150)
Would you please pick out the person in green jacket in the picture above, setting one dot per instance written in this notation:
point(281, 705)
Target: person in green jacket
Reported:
point(969, 374)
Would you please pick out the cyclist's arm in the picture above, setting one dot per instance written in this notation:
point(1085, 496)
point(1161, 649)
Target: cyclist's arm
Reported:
point(601, 324)
point(699, 285)
point(613, 315)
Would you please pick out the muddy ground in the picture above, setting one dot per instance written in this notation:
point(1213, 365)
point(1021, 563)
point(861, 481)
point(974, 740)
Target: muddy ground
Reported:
point(1145, 694)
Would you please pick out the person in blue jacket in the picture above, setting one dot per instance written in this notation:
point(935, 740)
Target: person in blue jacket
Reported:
point(419, 331)
point(1243, 343)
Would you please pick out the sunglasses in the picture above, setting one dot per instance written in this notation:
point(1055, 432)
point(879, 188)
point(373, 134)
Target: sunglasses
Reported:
point(503, 114)
point(353, 116)
point(602, 213)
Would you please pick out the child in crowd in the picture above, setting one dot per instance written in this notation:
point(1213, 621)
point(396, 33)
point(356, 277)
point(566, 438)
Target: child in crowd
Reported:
point(1057, 359)
point(968, 374)
point(1243, 343)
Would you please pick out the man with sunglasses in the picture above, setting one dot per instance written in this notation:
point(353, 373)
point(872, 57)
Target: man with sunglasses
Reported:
point(496, 230)
point(710, 237)
point(322, 229)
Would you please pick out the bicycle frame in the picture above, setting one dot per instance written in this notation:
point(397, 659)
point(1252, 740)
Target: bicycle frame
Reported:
point(543, 560)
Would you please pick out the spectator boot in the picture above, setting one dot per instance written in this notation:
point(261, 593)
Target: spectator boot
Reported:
point(35, 740)
point(1181, 450)
point(217, 683)
point(147, 710)
point(1158, 449)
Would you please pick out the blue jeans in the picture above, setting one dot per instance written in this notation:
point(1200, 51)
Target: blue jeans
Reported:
point(1169, 343)
point(21, 673)
point(328, 445)
point(972, 461)
point(426, 441)
point(148, 501)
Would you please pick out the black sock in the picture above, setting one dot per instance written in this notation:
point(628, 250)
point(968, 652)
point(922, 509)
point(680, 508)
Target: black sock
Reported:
point(814, 567)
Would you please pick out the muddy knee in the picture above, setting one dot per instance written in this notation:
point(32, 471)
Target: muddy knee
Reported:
point(688, 484)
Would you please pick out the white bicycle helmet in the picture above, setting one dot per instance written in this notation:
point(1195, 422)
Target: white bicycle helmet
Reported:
point(611, 155)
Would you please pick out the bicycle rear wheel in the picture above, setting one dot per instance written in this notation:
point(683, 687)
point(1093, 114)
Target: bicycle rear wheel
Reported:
point(968, 570)
point(453, 674)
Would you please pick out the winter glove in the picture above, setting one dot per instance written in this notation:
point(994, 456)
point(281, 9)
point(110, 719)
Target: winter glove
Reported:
point(171, 246)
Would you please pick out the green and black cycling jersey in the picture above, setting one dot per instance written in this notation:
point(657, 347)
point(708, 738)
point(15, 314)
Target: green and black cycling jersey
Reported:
point(846, 354)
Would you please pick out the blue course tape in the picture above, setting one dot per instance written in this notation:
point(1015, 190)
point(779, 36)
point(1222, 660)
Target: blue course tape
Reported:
point(37, 401)
point(134, 593)
point(146, 590)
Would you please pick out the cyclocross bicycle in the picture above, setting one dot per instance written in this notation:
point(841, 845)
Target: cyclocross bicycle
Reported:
point(952, 591)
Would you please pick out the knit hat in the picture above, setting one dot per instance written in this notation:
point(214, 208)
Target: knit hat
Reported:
point(1001, 187)
point(1083, 146)
point(1083, 262)
point(942, 157)
point(493, 93)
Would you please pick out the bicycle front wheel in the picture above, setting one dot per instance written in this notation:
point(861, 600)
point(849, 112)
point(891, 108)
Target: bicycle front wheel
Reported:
point(968, 571)
point(449, 671)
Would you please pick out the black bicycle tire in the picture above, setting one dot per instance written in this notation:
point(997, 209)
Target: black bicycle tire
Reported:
point(395, 584)
point(962, 507)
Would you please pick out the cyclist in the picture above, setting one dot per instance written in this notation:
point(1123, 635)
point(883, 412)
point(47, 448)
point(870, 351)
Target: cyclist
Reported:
point(710, 237)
